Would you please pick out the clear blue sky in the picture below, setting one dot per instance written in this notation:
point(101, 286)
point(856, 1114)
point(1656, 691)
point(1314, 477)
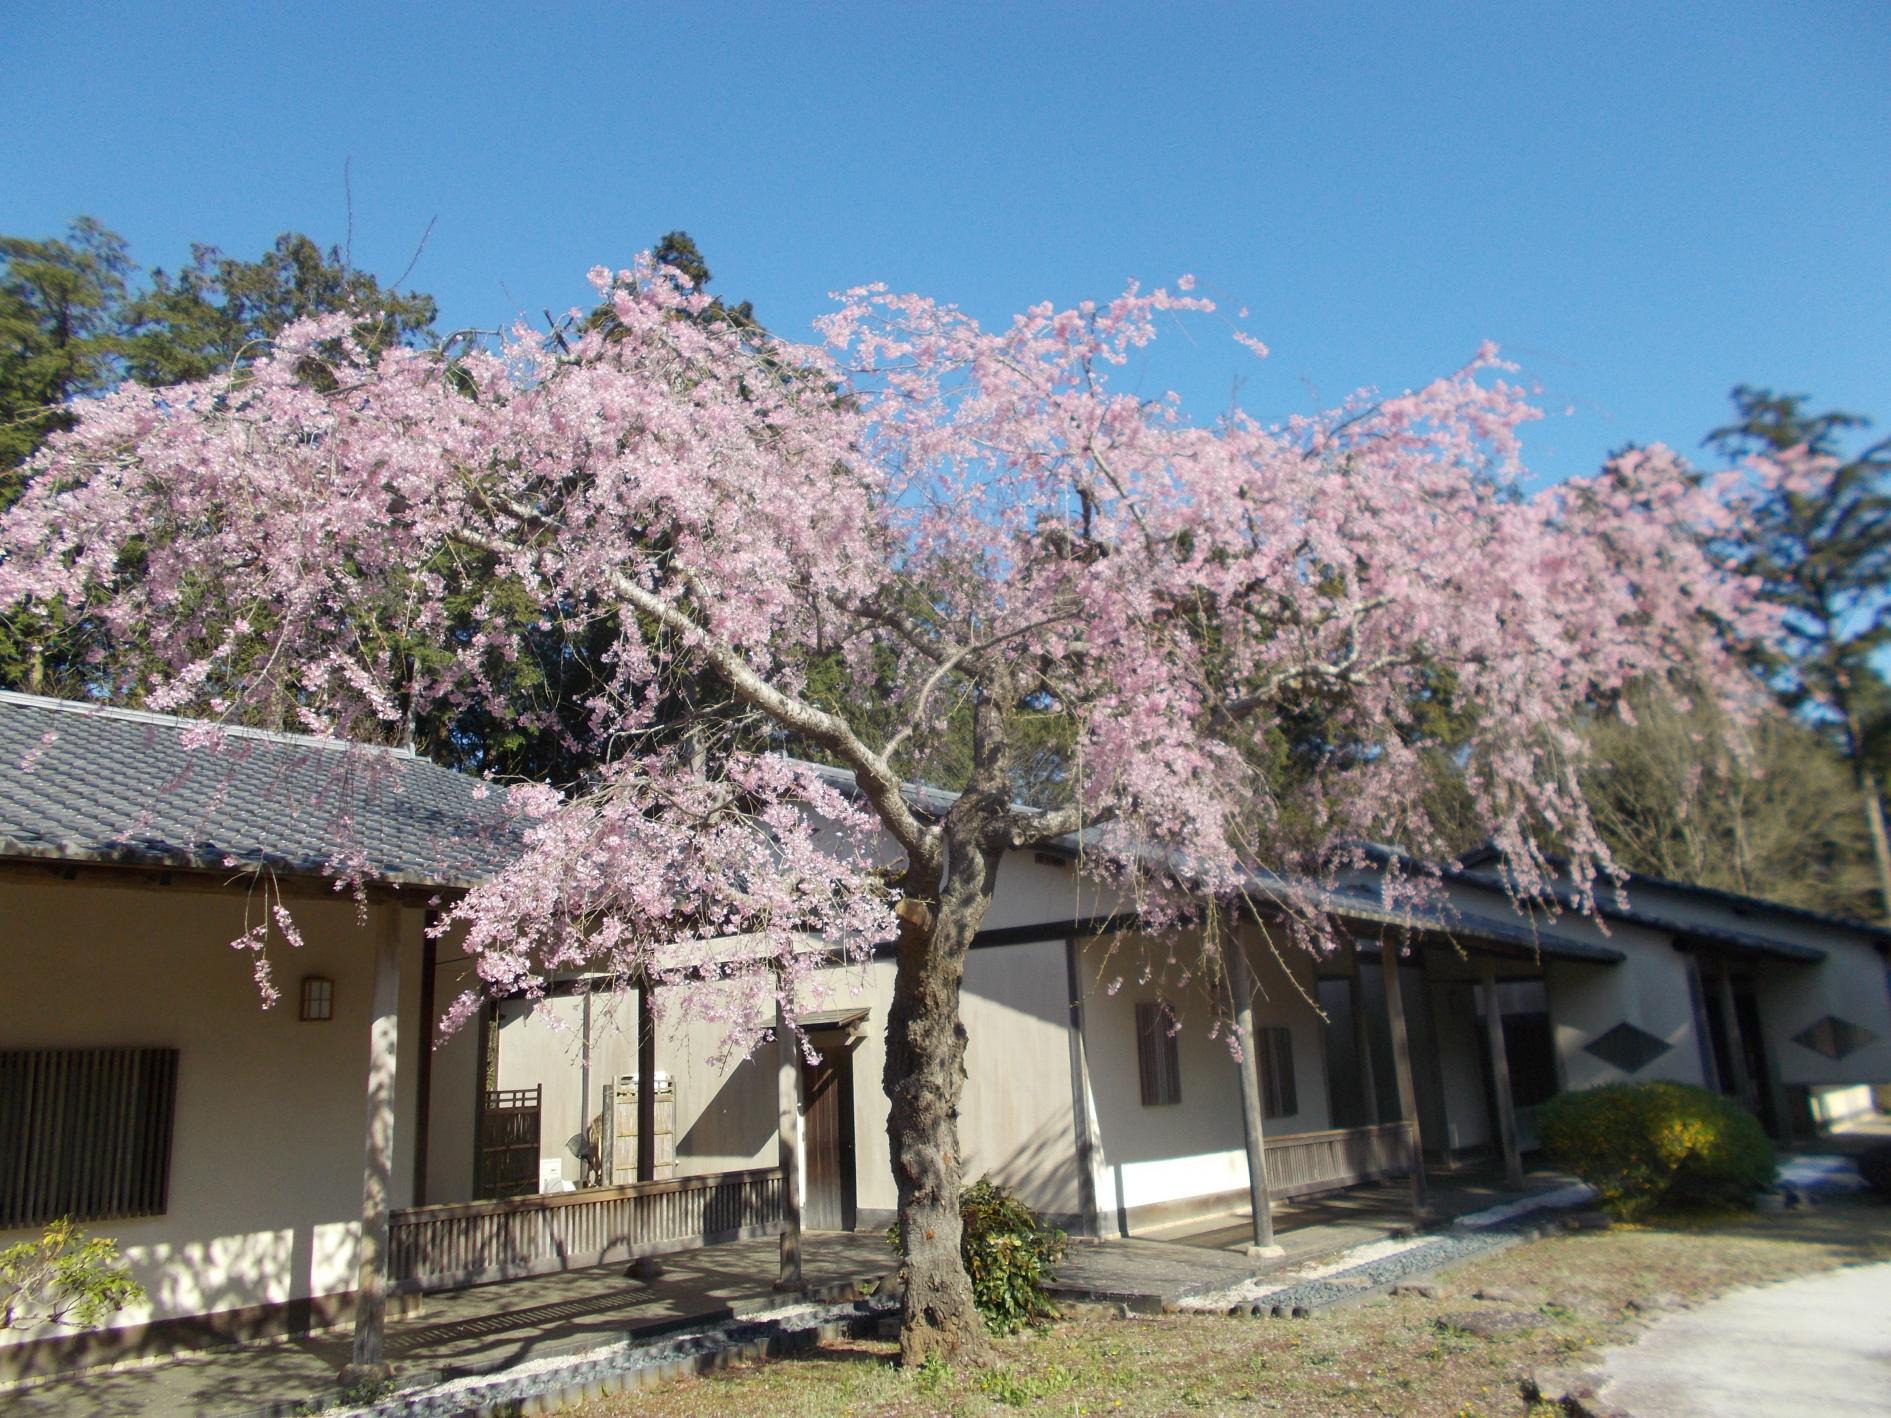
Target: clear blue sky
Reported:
point(1644, 204)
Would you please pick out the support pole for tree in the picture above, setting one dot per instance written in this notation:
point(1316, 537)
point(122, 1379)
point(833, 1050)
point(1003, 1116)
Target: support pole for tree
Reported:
point(646, 1084)
point(1402, 1068)
point(368, 1358)
point(788, 1126)
point(1500, 1076)
point(1362, 1038)
point(1241, 996)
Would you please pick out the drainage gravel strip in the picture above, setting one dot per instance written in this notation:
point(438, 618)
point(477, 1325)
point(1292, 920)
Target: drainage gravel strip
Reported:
point(1377, 1267)
point(546, 1385)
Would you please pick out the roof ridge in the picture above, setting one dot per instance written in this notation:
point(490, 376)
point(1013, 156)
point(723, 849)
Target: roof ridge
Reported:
point(181, 721)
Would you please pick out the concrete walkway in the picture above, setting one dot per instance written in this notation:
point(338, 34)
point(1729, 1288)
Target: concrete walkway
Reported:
point(1820, 1346)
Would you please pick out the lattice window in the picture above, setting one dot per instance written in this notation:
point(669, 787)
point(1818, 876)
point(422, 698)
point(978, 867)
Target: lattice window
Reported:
point(1157, 1057)
point(1278, 1099)
point(85, 1134)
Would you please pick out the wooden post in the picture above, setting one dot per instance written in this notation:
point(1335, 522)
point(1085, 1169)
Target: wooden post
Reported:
point(1253, 1115)
point(1081, 1120)
point(1736, 1055)
point(1402, 1068)
point(368, 1359)
point(423, 1070)
point(1500, 1075)
point(788, 1127)
point(1362, 1038)
point(646, 1084)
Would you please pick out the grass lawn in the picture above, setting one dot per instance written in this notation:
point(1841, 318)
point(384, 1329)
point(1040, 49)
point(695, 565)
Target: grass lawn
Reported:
point(1388, 1356)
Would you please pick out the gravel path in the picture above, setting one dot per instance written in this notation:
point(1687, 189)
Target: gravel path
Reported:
point(1380, 1264)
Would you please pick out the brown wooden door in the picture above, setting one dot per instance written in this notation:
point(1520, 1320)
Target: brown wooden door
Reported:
point(828, 1131)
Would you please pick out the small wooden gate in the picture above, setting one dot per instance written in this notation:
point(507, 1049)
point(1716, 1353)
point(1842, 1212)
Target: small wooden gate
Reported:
point(507, 1164)
point(621, 1098)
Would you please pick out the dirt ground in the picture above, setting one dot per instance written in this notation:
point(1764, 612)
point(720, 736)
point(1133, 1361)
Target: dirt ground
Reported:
point(1546, 1305)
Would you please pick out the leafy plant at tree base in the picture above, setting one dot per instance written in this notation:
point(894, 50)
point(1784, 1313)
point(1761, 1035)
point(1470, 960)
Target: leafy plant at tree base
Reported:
point(1008, 1253)
point(1647, 1145)
point(62, 1278)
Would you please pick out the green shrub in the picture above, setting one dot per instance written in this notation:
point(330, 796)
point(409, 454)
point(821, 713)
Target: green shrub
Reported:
point(1645, 1145)
point(62, 1278)
point(1008, 1253)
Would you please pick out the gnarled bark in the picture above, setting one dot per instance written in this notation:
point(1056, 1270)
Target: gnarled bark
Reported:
point(925, 1075)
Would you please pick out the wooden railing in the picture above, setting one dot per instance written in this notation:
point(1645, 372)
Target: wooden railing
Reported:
point(1302, 1163)
point(469, 1243)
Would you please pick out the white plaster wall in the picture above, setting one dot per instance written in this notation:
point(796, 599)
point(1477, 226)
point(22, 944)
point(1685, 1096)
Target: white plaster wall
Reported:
point(1158, 1155)
point(1043, 889)
point(266, 1164)
point(544, 1044)
point(453, 1115)
point(1649, 990)
point(1015, 1113)
point(1850, 983)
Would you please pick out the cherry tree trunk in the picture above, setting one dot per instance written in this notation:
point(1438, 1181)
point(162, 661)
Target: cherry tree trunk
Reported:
point(925, 1074)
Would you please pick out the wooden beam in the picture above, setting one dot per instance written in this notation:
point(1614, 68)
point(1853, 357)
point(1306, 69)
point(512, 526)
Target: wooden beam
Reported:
point(790, 1152)
point(1402, 1067)
point(1362, 1037)
point(1736, 1055)
point(369, 1357)
point(1500, 1076)
point(423, 1065)
point(1081, 1120)
point(1253, 1125)
point(646, 1085)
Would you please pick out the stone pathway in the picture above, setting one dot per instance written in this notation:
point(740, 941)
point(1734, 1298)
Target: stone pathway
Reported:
point(1819, 1346)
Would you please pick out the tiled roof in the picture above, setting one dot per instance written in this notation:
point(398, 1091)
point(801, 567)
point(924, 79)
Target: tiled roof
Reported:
point(85, 782)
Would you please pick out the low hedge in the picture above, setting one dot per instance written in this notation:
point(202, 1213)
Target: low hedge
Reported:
point(1649, 1145)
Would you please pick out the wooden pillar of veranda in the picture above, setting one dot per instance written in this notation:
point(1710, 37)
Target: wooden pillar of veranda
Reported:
point(1402, 1068)
point(1500, 1076)
point(369, 1356)
point(646, 1084)
point(1362, 1038)
point(1741, 1080)
point(1241, 998)
point(788, 1130)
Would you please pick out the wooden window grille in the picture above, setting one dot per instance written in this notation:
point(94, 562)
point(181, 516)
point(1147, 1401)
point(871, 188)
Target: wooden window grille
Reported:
point(1157, 1056)
point(1278, 1099)
point(85, 1134)
point(318, 997)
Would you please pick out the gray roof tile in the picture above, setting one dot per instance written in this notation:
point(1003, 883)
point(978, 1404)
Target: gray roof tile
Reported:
point(119, 785)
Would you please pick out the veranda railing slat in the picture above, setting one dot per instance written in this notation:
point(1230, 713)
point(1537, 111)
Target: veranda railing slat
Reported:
point(465, 1243)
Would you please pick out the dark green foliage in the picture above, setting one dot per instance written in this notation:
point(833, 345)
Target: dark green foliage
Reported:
point(218, 312)
point(61, 323)
point(73, 323)
point(1008, 1252)
point(1649, 1145)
